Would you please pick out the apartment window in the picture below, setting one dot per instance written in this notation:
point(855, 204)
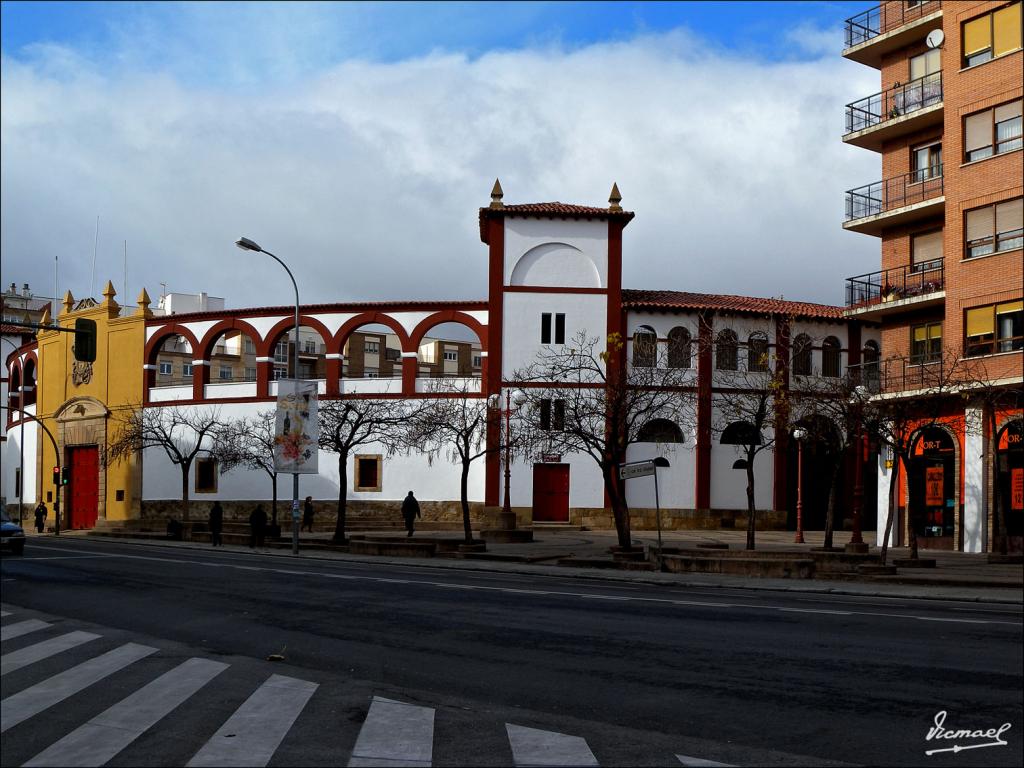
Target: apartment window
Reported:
point(926, 251)
point(281, 351)
point(925, 343)
point(250, 374)
point(186, 369)
point(927, 63)
point(995, 228)
point(545, 328)
point(309, 346)
point(802, 355)
point(451, 356)
point(993, 329)
point(757, 352)
point(248, 346)
point(224, 374)
point(368, 473)
point(993, 131)
point(726, 350)
point(280, 373)
point(679, 341)
point(645, 347)
point(926, 162)
point(830, 357)
point(165, 369)
point(391, 354)
point(307, 371)
point(477, 361)
point(371, 347)
point(991, 35)
point(206, 475)
point(552, 415)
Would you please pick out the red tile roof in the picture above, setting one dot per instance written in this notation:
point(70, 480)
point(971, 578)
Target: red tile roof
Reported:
point(15, 330)
point(555, 210)
point(667, 300)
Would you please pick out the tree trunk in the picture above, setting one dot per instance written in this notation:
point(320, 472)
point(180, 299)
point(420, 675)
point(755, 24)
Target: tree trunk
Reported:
point(339, 526)
point(184, 493)
point(464, 495)
point(892, 508)
point(273, 511)
point(833, 492)
point(620, 510)
point(751, 513)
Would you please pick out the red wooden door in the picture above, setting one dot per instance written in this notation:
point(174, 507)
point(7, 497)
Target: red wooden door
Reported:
point(551, 493)
point(83, 490)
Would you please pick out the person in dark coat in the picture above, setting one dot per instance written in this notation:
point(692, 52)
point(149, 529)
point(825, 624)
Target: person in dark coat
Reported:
point(410, 511)
point(40, 517)
point(216, 524)
point(258, 526)
point(307, 514)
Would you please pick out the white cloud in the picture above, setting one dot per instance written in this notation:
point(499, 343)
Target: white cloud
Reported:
point(366, 177)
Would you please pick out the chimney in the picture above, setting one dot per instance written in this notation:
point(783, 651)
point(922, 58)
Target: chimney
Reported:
point(24, 290)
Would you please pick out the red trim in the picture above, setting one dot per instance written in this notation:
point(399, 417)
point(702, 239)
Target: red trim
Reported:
point(615, 317)
point(152, 348)
point(348, 396)
point(492, 368)
point(550, 289)
point(265, 348)
point(704, 372)
point(308, 309)
point(448, 316)
point(337, 344)
point(780, 462)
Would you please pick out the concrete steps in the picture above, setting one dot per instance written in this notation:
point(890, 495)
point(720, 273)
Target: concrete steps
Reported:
point(776, 565)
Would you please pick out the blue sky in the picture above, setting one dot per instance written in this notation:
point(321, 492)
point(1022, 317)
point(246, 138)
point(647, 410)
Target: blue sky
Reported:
point(345, 135)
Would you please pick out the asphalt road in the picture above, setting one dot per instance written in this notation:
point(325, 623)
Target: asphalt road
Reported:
point(639, 673)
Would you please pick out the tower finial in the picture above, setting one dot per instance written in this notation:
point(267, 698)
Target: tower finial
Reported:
point(615, 198)
point(496, 195)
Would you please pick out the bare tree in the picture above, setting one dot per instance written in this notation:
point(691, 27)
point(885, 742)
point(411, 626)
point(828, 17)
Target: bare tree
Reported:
point(579, 398)
point(452, 421)
point(249, 442)
point(348, 423)
point(182, 432)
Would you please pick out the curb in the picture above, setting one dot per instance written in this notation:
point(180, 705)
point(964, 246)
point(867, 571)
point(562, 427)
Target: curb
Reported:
point(620, 577)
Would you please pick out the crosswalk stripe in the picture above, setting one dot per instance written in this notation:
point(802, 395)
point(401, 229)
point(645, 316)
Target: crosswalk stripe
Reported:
point(44, 650)
point(696, 762)
point(395, 734)
point(253, 733)
point(11, 631)
point(31, 701)
point(103, 737)
point(533, 747)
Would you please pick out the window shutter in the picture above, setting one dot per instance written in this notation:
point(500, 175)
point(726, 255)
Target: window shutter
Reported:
point(1008, 111)
point(979, 131)
point(927, 247)
point(980, 322)
point(980, 223)
point(977, 35)
point(917, 67)
point(1010, 215)
point(1006, 22)
point(1013, 306)
point(921, 333)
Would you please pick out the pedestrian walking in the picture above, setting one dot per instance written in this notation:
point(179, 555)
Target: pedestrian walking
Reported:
point(40, 517)
point(258, 527)
point(216, 524)
point(410, 511)
point(307, 514)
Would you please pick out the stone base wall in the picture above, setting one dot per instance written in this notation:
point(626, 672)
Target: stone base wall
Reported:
point(680, 519)
point(239, 511)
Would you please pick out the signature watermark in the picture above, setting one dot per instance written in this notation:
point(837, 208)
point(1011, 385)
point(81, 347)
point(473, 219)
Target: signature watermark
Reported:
point(940, 733)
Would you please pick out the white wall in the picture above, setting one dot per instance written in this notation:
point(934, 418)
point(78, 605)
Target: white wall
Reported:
point(675, 483)
point(729, 486)
point(521, 317)
point(12, 457)
point(975, 528)
point(559, 252)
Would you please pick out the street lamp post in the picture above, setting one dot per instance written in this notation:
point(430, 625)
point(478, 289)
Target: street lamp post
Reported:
point(799, 434)
point(248, 245)
point(506, 504)
point(21, 442)
point(860, 394)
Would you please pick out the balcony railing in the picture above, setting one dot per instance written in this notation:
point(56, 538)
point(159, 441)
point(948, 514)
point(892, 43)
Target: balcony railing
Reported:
point(901, 99)
point(895, 284)
point(906, 374)
point(897, 192)
point(885, 18)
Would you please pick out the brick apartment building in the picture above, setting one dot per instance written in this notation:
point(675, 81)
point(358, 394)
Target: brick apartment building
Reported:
point(948, 213)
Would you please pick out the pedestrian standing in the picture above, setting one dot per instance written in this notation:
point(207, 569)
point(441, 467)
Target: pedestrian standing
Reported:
point(216, 524)
point(307, 514)
point(410, 511)
point(40, 517)
point(258, 527)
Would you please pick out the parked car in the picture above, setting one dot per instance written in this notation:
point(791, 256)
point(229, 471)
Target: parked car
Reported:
point(11, 535)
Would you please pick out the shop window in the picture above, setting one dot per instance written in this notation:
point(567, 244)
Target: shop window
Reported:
point(993, 131)
point(726, 350)
point(991, 35)
point(994, 228)
point(368, 473)
point(925, 343)
point(206, 475)
point(994, 329)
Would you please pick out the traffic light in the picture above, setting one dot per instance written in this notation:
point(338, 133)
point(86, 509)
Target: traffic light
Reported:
point(85, 340)
point(56, 475)
point(65, 475)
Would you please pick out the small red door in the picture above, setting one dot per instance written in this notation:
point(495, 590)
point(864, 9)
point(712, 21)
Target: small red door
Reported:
point(83, 490)
point(551, 493)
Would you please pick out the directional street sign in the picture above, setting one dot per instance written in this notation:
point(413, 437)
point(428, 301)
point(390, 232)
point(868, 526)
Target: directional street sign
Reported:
point(636, 469)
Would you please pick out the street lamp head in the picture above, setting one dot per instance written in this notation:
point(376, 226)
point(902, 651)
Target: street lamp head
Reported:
point(799, 433)
point(247, 245)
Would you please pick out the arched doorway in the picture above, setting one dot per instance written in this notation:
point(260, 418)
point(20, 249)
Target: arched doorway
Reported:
point(931, 511)
point(817, 453)
point(1010, 477)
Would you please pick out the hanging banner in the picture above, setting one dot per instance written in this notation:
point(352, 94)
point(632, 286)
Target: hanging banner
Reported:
point(934, 495)
point(295, 433)
point(1017, 489)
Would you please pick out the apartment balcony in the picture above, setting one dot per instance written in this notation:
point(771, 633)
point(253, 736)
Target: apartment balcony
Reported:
point(890, 291)
point(899, 200)
point(887, 27)
point(905, 108)
point(898, 375)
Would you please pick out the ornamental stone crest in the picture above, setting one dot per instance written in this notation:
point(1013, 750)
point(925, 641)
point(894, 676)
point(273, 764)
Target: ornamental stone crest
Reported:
point(81, 373)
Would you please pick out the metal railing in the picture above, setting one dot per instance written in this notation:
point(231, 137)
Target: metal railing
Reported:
point(885, 18)
point(894, 284)
point(901, 99)
point(903, 374)
point(896, 192)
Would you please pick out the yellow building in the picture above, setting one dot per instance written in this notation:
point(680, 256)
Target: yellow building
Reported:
point(80, 404)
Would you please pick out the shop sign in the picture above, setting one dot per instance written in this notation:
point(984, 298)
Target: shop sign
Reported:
point(1017, 489)
point(934, 495)
point(551, 458)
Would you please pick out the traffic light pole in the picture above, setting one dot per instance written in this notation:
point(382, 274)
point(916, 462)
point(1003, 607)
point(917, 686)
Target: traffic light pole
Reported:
point(58, 470)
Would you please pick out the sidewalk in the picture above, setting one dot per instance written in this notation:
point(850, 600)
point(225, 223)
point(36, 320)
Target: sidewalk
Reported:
point(957, 576)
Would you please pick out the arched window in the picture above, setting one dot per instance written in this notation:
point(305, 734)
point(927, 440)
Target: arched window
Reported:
point(679, 348)
point(645, 347)
point(740, 433)
point(725, 350)
point(28, 384)
point(802, 355)
point(870, 357)
point(660, 431)
point(830, 365)
point(757, 352)
point(13, 392)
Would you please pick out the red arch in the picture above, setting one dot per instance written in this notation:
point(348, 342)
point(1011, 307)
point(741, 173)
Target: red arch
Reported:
point(232, 324)
point(449, 316)
point(171, 329)
point(369, 318)
point(267, 347)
